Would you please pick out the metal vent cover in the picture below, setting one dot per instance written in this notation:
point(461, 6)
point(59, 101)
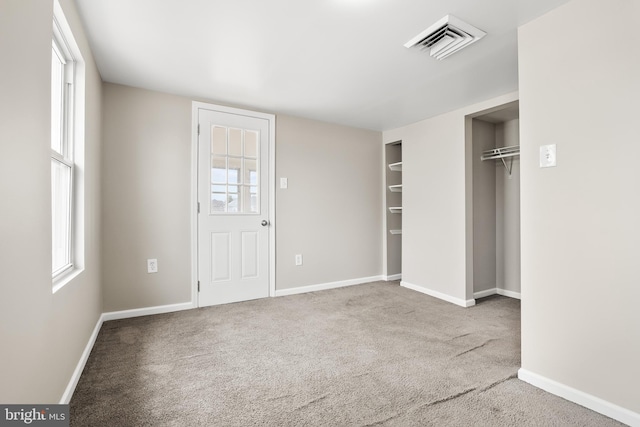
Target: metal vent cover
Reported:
point(446, 37)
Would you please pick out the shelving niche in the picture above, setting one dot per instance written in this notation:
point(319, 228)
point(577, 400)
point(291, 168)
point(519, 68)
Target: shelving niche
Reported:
point(396, 167)
point(393, 214)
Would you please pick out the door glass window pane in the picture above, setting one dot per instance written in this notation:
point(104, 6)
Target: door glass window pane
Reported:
point(250, 144)
point(250, 199)
point(251, 171)
point(219, 140)
point(233, 203)
point(219, 202)
point(235, 142)
point(235, 165)
point(219, 170)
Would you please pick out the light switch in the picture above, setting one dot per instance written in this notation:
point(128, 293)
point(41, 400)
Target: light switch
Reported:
point(284, 183)
point(547, 156)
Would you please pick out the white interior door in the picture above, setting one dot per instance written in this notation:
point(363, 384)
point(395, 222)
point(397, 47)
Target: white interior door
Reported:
point(233, 197)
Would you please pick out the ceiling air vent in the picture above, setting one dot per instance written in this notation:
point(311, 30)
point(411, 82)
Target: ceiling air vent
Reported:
point(446, 37)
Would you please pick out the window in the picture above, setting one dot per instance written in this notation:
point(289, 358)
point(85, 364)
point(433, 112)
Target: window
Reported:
point(65, 211)
point(234, 170)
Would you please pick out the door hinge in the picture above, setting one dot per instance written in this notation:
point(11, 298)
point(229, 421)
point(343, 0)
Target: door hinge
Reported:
point(198, 285)
point(198, 207)
point(198, 128)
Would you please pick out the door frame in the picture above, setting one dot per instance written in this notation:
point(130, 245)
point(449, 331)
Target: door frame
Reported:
point(271, 118)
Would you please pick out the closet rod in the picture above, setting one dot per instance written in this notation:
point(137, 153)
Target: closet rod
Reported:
point(498, 153)
point(502, 153)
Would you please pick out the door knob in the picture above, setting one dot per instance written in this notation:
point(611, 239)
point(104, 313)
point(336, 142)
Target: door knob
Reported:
point(264, 223)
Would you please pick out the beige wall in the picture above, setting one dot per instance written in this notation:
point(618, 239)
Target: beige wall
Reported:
point(437, 202)
point(331, 212)
point(508, 211)
point(146, 161)
point(484, 207)
point(579, 89)
point(43, 334)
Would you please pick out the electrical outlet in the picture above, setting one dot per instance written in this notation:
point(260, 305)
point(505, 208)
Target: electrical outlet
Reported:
point(152, 266)
point(547, 156)
point(299, 259)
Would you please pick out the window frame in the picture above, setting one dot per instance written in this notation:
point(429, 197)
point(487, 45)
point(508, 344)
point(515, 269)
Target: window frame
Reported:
point(63, 149)
point(243, 185)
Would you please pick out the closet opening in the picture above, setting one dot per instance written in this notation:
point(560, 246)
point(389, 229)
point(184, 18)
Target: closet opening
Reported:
point(494, 265)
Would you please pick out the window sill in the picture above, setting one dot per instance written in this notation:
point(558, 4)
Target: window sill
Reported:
point(61, 281)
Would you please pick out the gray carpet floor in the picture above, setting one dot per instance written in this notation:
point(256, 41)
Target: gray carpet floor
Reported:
point(368, 355)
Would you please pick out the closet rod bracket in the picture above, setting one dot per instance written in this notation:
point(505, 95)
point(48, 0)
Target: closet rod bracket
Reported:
point(507, 168)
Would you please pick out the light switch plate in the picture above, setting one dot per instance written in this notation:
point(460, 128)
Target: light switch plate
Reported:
point(284, 183)
point(548, 156)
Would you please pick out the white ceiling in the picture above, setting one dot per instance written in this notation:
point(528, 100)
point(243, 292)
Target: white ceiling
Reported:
point(339, 61)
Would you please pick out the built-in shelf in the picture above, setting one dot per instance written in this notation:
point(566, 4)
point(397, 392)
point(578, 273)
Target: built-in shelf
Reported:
point(392, 194)
point(396, 167)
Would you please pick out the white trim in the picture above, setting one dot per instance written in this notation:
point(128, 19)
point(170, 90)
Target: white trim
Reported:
point(194, 205)
point(325, 286)
point(487, 293)
point(498, 291)
point(439, 295)
point(393, 277)
point(271, 119)
point(272, 205)
point(114, 315)
point(506, 293)
point(383, 182)
point(60, 281)
point(230, 110)
point(75, 377)
point(581, 398)
point(147, 311)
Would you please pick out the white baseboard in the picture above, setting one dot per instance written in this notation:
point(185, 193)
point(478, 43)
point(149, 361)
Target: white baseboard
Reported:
point(439, 295)
point(483, 294)
point(325, 286)
point(498, 291)
point(581, 398)
point(75, 377)
point(147, 311)
point(510, 294)
point(393, 277)
point(114, 315)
